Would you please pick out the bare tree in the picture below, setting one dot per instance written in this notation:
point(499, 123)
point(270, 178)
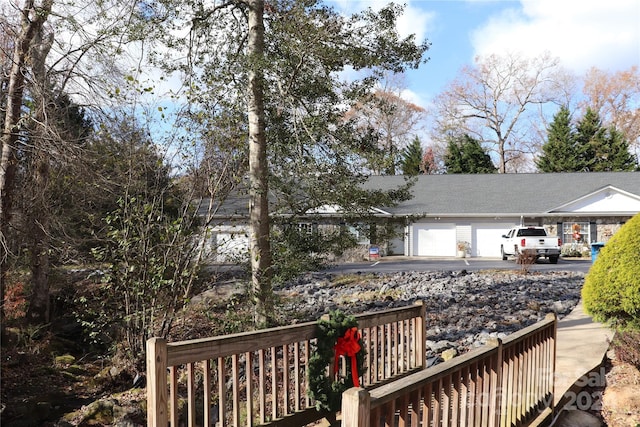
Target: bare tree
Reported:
point(428, 164)
point(495, 100)
point(395, 120)
point(33, 18)
point(60, 50)
point(615, 97)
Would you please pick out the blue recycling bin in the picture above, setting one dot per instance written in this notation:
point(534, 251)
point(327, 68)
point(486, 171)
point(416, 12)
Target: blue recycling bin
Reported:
point(595, 250)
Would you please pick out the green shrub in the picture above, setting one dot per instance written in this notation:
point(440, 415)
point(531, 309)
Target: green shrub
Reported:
point(611, 292)
point(575, 250)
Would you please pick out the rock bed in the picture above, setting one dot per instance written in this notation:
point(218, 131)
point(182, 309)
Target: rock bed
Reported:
point(464, 309)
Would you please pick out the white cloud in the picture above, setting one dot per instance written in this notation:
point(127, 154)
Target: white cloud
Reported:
point(589, 33)
point(414, 20)
point(410, 96)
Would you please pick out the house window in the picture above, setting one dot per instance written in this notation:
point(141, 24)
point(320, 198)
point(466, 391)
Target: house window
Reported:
point(305, 228)
point(575, 232)
point(360, 232)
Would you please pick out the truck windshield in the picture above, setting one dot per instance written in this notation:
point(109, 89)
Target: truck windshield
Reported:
point(531, 232)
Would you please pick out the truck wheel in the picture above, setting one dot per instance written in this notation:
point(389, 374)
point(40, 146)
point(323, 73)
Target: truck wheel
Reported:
point(553, 259)
point(504, 257)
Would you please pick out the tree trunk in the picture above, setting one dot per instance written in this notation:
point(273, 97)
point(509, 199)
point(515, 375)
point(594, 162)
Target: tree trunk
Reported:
point(39, 216)
point(502, 157)
point(33, 18)
point(260, 250)
point(39, 302)
point(391, 167)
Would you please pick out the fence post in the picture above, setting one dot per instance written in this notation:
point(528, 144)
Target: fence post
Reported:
point(421, 331)
point(552, 374)
point(157, 382)
point(496, 385)
point(356, 408)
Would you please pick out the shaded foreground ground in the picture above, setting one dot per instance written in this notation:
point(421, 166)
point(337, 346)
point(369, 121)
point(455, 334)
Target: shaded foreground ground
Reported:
point(37, 388)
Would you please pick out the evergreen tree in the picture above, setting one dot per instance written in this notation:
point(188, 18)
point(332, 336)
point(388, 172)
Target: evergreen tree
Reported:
point(558, 152)
point(466, 155)
point(289, 56)
point(611, 153)
point(453, 157)
point(412, 158)
point(589, 135)
point(601, 149)
point(588, 148)
point(494, 100)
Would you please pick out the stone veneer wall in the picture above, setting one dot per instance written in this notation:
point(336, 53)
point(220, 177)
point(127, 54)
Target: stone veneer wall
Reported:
point(605, 227)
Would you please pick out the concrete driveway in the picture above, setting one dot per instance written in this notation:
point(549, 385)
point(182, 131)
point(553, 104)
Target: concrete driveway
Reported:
point(393, 264)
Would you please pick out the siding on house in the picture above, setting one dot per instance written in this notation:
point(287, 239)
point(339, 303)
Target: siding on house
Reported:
point(478, 209)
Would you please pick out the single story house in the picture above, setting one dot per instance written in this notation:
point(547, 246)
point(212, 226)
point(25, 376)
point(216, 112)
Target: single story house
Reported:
point(475, 210)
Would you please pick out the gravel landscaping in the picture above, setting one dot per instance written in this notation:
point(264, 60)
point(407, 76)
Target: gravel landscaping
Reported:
point(464, 309)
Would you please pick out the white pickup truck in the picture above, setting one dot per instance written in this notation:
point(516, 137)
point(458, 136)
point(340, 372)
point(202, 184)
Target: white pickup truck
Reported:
point(519, 239)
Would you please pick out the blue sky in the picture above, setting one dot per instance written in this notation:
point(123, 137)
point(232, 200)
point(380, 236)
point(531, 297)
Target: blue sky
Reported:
point(582, 34)
point(589, 33)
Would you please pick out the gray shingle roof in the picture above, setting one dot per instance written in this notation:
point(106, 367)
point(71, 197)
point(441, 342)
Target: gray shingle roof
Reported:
point(501, 193)
point(234, 205)
point(480, 195)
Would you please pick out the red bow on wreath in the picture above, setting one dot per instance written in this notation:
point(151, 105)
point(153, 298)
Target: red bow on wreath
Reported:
point(347, 345)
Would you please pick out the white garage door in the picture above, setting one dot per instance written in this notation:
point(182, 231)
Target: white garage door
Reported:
point(487, 239)
point(231, 247)
point(434, 239)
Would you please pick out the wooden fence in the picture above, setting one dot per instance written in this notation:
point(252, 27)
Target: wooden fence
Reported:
point(260, 377)
point(506, 383)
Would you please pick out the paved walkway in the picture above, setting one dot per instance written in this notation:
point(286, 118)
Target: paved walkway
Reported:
point(580, 349)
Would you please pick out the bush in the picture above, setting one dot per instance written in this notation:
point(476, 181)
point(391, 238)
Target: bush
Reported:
point(611, 292)
point(15, 301)
point(575, 250)
point(526, 259)
point(296, 252)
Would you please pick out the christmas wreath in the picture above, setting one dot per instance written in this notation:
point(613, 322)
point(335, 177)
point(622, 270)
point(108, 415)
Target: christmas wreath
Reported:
point(337, 337)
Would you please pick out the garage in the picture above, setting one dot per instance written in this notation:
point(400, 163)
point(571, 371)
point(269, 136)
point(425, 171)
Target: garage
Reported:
point(231, 247)
point(487, 238)
point(434, 239)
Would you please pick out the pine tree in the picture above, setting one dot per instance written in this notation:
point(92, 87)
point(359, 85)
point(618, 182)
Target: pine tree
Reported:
point(453, 157)
point(558, 152)
point(286, 58)
point(412, 158)
point(589, 136)
point(466, 155)
point(475, 158)
point(588, 148)
point(611, 153)
point(602, 149)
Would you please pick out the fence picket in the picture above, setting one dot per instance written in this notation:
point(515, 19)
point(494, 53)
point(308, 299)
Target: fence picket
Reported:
point(488, 386)
point(275, 361)
point(502, 384)
point(206, 383)
point(173, 375)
